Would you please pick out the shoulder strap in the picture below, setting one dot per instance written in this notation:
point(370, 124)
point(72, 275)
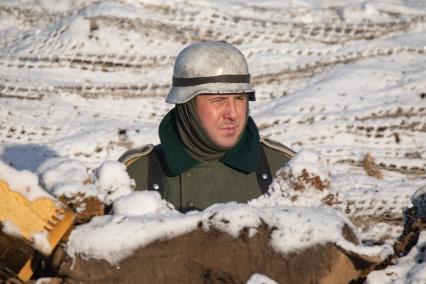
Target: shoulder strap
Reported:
point(132, 155)
point(155, 170)
point(263, 172)
point(277, 146)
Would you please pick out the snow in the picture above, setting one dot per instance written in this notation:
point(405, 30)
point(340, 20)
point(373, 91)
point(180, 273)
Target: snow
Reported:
point(41, 242)
point(311, 161)
point(141, 203)
point(44, 280)
point(141, 218)
point(83, 81)
point(113, 181)
point(24, 182)
point(305, 181)
point(260, 279)
point(10, 229)
point(114, 238)
point(62, 176)
point(71, 178)
point(408, 269)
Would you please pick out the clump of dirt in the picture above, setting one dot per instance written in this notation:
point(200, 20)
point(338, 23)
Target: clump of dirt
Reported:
point(370, 167)
point(330, 199)
point(306, 180)
point(84, 207)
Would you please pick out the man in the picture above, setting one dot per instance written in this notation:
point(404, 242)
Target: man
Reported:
point(210, 149)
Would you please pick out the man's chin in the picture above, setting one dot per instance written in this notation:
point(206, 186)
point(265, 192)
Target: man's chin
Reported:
point(227, 142)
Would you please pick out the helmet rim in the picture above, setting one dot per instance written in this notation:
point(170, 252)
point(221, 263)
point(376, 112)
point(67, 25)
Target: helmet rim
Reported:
point(180, 95)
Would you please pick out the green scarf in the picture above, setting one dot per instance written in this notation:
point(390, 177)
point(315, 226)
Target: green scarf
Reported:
point(196, 141)
point(243, 157)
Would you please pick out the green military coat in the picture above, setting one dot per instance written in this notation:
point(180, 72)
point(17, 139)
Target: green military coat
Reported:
point(206, 183)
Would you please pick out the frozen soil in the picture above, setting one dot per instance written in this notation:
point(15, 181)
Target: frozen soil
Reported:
point(199, 257)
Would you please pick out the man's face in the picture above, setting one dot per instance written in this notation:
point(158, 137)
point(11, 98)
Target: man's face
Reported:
point(223, 117)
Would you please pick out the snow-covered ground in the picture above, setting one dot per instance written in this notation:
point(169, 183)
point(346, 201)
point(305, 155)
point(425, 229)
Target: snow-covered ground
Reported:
point(86, 80)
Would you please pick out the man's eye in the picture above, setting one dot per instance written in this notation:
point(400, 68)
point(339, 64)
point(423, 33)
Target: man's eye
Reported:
point(217, 100)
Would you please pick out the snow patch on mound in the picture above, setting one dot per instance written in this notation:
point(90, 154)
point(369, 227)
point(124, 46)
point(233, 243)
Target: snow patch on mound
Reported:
point(141, 203)
point(72, 179)
point(24, 182)
point(113, 181)
point(304, 180)
point(114, 238)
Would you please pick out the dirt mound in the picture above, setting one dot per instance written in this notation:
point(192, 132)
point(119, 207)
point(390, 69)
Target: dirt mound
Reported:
point(216, 257)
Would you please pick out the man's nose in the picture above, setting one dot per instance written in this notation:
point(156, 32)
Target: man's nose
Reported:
point(231, 110)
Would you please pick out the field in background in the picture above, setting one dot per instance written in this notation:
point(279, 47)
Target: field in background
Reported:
point(86, 80)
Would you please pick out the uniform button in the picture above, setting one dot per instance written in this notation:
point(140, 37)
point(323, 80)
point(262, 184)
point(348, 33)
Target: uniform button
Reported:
point(190, 204)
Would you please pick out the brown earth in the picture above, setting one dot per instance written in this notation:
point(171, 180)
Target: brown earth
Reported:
point(85, 208)
point(216, 257)
point(370, 167)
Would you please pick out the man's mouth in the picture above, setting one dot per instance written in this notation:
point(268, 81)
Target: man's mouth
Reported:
point(230, 129)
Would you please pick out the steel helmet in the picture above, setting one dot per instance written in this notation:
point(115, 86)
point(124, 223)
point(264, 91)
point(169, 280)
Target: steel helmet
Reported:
point(210, 67)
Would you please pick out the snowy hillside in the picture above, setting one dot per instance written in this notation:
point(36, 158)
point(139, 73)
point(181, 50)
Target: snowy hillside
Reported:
point(86, 80)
